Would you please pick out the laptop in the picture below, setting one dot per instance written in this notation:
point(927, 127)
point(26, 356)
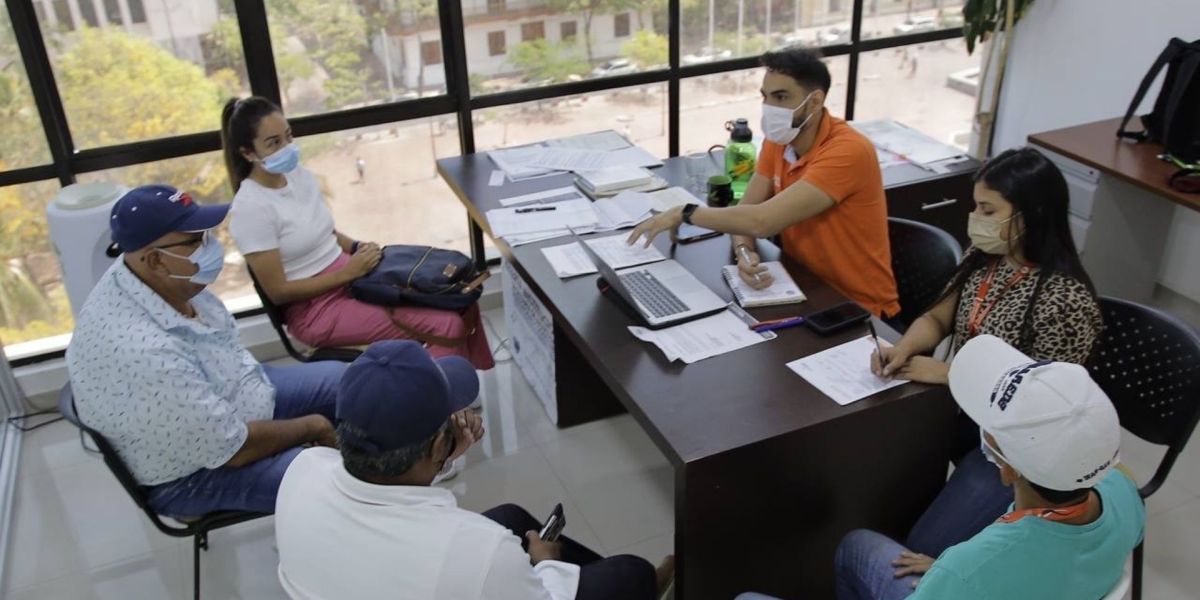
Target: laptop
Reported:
point(663, 293)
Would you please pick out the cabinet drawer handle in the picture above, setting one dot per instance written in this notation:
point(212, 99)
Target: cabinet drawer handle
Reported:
point(944, 202)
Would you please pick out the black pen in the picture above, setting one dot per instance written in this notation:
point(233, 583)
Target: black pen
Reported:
point(521, 211)
point(874, 336)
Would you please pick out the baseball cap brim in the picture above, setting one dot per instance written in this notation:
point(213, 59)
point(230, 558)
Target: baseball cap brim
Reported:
point(975, 372)
point(464, 383)
point(206, 217)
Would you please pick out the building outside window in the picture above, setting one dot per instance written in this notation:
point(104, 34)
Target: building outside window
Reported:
point(495, 43)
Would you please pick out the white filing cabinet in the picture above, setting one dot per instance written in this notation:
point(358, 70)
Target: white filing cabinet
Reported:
point(1082, 182)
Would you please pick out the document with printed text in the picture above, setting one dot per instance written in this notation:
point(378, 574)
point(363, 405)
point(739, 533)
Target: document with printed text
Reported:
point(844, 372)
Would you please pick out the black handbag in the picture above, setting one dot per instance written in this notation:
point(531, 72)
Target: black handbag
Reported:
point(421, 276)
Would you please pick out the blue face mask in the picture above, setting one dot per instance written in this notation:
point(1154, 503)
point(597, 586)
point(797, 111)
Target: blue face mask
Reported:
point(285, 160)
point(209, 258)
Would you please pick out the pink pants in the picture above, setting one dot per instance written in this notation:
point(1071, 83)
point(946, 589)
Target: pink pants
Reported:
point(335, 318)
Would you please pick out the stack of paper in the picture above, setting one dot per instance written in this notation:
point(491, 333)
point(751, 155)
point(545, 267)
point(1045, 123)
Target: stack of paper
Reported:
point(517, 162)
point(612, 179)
point(704, 338)
point(600, 140)
point(907, 143)
point(573, 159)
point(783, 290)
point(559, 194)
point(844, 372)
point(522, 221)
point(623, 210)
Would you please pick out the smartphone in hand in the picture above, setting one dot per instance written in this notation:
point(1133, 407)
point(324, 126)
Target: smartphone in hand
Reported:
point(553, 526)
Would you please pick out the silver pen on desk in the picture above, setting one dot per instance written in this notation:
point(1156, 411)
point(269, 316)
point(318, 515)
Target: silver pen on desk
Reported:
point(745, 252)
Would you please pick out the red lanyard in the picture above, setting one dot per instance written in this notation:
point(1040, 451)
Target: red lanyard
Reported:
point(979, 313)
point(1051, 514)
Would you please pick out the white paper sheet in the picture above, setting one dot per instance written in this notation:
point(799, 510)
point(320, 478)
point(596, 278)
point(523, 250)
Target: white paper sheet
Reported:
point(572, 159)
point(704, 338)
point(664, 200)
point(505, 222)
point(600, 140)
point(843, 372)
point(517, 162)
point(558, 194)
point(909, 143)
point(541, 236)
point(623, 210)
point(497, 178)
point(617, 254)
point(569, 260)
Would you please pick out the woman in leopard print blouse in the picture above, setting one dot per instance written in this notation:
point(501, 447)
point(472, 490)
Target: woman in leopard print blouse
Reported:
point(1022, 282)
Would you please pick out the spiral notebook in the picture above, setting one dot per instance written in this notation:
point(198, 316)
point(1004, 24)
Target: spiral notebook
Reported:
point(783, 291)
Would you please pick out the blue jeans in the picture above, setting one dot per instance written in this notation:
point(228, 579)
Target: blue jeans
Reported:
point(299, 390)
point(864, 571)
point(972, 499)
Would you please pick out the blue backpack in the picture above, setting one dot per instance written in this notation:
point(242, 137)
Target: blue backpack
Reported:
point(421, 276)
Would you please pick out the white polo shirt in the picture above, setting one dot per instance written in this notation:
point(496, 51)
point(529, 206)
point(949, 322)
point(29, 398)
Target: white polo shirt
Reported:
point(293, 220)
point(340, 537)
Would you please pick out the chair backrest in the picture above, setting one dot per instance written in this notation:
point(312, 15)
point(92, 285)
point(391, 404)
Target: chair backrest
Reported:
point(275, 314)
point(924, 259)
point(1148, 362)
point(66, 405)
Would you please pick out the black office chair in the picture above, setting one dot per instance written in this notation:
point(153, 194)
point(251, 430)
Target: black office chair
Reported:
point(275, 314)
point(197, 530)
point(1148, 362)
point(924, 259)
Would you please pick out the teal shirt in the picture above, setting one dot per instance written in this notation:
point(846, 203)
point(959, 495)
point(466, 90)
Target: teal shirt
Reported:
point(1033, 558)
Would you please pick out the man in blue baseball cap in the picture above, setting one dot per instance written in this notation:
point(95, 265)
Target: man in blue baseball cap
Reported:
point(157, 368)
point(365, 523)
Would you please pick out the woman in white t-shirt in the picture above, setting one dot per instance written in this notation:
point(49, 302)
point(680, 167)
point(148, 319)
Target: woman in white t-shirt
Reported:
point(282, 226)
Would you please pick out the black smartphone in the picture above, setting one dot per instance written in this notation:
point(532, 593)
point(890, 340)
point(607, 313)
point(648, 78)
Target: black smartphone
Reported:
point(553, 526)
point(835, 319)
point(692, 233)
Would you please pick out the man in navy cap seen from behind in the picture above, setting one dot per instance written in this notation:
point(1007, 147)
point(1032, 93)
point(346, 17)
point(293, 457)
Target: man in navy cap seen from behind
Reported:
point(365, 522)
point(158, 369)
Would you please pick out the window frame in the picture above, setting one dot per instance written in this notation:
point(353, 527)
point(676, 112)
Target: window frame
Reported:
point(67, 162)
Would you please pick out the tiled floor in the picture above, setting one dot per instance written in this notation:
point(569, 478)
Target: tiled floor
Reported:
point(76, 535)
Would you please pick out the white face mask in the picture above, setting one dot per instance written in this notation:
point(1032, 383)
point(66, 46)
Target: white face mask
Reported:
point(777, 122)
point(985, 234)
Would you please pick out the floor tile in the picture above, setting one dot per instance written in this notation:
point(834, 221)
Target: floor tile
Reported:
point(1186, 471)
point(241, 562)
point(653, 549)
point(527, 480)
point(51, 447)
point(501, 392)
point(618, 478)
point(1171, 549)
point(164, 574)
point(75, 518)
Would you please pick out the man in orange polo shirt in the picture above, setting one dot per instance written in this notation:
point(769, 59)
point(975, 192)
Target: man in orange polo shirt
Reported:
point(817, 185)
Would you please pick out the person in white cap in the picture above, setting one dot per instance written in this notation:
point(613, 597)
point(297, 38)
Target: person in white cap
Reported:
point(1054, 436)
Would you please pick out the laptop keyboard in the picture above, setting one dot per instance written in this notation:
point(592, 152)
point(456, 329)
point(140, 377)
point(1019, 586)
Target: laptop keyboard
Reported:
point(653, 295)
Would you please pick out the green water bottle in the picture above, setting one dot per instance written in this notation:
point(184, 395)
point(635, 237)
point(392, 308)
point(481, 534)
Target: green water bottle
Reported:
point(739, 156)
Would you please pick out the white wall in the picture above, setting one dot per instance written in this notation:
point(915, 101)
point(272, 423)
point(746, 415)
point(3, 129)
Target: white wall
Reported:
point(1077, 61)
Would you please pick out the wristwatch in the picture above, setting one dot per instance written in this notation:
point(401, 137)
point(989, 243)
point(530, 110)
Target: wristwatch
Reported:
point(688, 209)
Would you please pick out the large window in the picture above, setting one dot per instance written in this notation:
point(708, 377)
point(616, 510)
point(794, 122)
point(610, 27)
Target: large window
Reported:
point(709, 102)
point(130, 91)
point(123, 85)
point(339, 54)
point(929, 87)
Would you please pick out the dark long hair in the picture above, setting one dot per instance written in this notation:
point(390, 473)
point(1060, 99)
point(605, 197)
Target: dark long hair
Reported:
point(239, 127)
point(1038, 192)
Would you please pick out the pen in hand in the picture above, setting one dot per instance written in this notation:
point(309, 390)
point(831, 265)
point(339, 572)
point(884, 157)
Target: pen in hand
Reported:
point(875, 337)
point(745, 253)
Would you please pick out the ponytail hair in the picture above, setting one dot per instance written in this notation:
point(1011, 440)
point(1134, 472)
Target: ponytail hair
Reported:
point(239, 127)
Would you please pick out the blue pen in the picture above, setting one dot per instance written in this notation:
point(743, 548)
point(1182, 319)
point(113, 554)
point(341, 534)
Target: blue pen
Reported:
point(779, 324)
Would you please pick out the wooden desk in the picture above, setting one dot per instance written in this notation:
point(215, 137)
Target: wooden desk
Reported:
point(1122, 202)
point(769, 472)
point(1096, 145)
